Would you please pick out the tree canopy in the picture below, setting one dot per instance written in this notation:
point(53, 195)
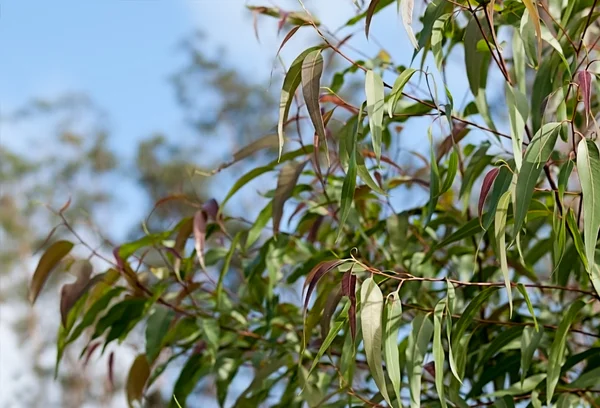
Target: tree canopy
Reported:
point(375, 276)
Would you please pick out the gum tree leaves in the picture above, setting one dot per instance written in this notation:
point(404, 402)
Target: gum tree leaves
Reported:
point(371, 316)
point(136, 380)
point(406, 11)
point(375, 105)
point(585, 87)
point(53, 255)
point(290, 84)
point(588, 166)
point(537, 154)
point(199, 228)
point(288, 177)
point(72, 292)
point(500, 229)
point(392, 321)
point(418, 342)
point(397, 89)
point(535, 19)
point(518, 111)
point(557, 351)
point(312, 69)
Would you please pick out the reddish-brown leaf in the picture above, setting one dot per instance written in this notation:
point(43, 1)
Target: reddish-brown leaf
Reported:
point(49, 260)
point(72, 292)
point(111, 371)
point(299, 208)
point(211, 207)
point(485, 188)
point(65, 206)
point(332, 302)
point(370, 12)
point(336, 100)
point(288, 36)
point(317, 273)
point(281, 23)
point(459, 131)
point(585, 85)
point(137, 378)
point(200, 235)
point(288, 177)
point(89, 351)
point(314, 229)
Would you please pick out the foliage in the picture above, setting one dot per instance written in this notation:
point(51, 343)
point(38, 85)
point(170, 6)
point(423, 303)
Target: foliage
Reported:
point(391, 286)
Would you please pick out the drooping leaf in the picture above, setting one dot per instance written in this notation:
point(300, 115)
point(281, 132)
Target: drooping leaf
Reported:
point(349, 185)
point(288, 177)
point(49, 260)
point(290, 84)
point(488, 180)
point(500, 231)
point(349, 290)
point(392, 322)
point(200, 235)
point(518, 111)
point(535, 19)
point(537, 154)
point(156, 330)
point(434, 181)
point(375, 106)
point(588, 167)
point(585, 87)
point(438, 350)
point(369, 16)
point(418, 342)
point(317, 273)
point(406, 11)
point(397, 226)
point(437, 36)
point(525, 295)
point(312, 69)
point(333, 332)
point(225, 269)
point(527, 386)
point(476, 61)
point(450, 172)
point(397, 89)
point(194, 369)
point(371, 324)
point(136, 380)
point(530, 340)
point(557, 351)
point(577, 241)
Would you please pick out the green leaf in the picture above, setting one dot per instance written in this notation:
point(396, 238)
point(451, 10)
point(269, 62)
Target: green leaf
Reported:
point(437, 36)
point(312, 69)
point(535, 20)
point(211, 333)
point(500, 235)
point(438, 350)
point(588, 167)
point(450, 173)
point(375, 106)
point(537, 154)
point(333, 333)
point(577, 241)
point(418, 342)
point(288, 177)
point(397, 227)
point(349, 185)
point(476, 62)
point(392, 323)
point(530, 340)
point(434, 180)
point(365, 176)
point(557, 351)
point(518, 112)
point(70, 293)
point(371, 316)
point(261, 222)
point(523, 291)
point(53, 255)
point(156, 330)
point(193, 370)
point(517, 389)
point(136, 380)
point(225, 269)
point(290, 84)
point(397, 89)
point(467, 317)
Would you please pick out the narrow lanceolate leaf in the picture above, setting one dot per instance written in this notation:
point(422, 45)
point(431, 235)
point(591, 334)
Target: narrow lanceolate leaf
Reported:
point(53, 255)
point(585, 87)
point(349, 184)
point(518, 111)
point(535, 19)
point(500, 230)
point(393, 318)
point(530, 339)
point(523, 291)
point(136, 380)
point(396, 93)
point(537, 154)
point(370, 11)
point(437, 36)
point(288, 177)
point(312, 69)
point(418, 341)
point(349, 290)
point(290, 84)
point(406, 11)
point(588, 166)
point(317, 273)
point(375, 105)
point(333, 332)
point(225, 269)
point(577, 241)
point(557, 351)
point(371, 317)
point(434, 181)
point(438, 350)
point(488, 180)
point(450, 173)
point(200, 235)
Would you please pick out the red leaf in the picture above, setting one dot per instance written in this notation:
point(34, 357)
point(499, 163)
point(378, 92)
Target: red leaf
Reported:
point(288, 36)
point(485, 188)
point(585, 85)
point(65, 207)
point(212, 208)
point(284, 16)
point(317, 273)
point(314, 229)
point(370, 12)
point(111, 367)
point(336, 100)
point(90, 350)
point(200, 235)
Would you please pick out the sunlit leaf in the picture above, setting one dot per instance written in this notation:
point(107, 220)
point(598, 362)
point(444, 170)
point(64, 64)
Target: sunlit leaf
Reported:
point(518, 112)
point(438, 350)
point(418, 342)
point(375, 106)
point(500, 230)
point(397, 89)
point(392, 323)
point(406, 11)
point(312, 69)
point(371, 323)
point(535, 19)
point(588, 167)
point(488, 181)
point(49, 260)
